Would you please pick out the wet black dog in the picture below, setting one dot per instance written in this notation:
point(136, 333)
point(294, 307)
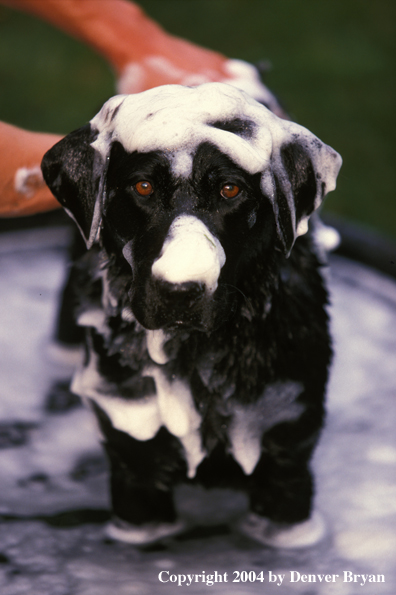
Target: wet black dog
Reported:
point(207, 334)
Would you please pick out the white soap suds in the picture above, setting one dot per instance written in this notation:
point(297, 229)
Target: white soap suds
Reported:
point(109, 300)
point(128, 253)
point(175, 402)
point(194, 453)
point(240, 74)
point(142, 534)
point(298, 535)
point(182, 163)
point(245, 76)
point(164, 66)
point(131, 79)
point(179, 415)
point(93, 235)
point(140, 418)
point(190, 253)
point(94, 318)
point(176, 120)
point(277, 404)
point(28, 180)
point(302, 227)
point(171, 407)
point(326, 238)
point(155, 346)
point(127, 314)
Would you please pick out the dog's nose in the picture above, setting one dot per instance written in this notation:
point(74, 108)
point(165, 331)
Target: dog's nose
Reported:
point(190, 254)
point(182, 295)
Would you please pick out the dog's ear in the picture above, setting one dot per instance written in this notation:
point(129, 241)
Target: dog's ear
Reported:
point(303, 170)
point(73, 171)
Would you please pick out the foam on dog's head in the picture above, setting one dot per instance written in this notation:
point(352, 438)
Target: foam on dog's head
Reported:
point(176, 120)
point(297, 169)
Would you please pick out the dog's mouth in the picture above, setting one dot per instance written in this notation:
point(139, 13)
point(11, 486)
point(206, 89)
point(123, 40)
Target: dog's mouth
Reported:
point(155, 315)
point(185, 323)
point(177, 326)
point(173, 308)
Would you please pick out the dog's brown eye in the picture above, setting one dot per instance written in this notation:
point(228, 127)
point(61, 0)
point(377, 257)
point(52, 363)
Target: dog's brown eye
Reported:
point(230, 191)
point(144, 188)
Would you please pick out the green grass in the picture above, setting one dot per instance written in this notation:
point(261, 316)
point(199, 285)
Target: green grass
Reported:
point(333, 67)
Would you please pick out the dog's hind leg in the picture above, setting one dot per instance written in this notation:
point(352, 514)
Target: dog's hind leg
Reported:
point(143, 474)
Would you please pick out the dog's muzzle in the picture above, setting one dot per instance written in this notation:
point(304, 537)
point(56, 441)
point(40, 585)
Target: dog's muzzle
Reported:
point(191, 257)
point(183, 278)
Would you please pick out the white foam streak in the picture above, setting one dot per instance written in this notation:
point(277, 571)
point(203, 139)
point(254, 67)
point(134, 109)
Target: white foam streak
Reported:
point(171, 407)
point(190, 253)
point(176, 120)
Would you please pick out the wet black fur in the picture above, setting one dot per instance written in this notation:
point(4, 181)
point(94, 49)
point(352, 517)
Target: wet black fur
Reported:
point(268, 324)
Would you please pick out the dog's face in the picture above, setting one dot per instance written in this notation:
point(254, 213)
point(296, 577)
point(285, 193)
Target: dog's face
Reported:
point(185, 185)
point(184, 238)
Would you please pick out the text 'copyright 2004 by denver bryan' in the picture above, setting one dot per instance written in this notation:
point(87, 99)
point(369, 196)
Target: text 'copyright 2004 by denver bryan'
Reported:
point(278, 579)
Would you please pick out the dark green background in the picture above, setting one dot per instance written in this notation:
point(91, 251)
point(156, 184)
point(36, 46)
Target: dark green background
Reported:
point(332, 65)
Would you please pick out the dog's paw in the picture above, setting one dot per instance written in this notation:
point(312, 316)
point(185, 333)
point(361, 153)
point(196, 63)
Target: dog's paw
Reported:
point(120, 530)
point(282, 535)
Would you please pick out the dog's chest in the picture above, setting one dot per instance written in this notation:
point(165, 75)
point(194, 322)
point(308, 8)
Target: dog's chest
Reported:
point(167, 366)
point(172, 406)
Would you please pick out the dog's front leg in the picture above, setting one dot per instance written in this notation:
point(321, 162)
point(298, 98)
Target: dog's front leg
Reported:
point(142, 476)
point(281, 492)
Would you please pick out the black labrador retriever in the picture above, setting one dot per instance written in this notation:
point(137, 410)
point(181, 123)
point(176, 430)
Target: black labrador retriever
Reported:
point(207, 343)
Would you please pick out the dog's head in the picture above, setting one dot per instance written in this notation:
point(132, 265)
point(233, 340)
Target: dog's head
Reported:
point(184, 182)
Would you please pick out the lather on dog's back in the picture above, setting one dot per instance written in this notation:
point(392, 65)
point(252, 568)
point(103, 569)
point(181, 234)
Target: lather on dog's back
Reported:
point(207, 335)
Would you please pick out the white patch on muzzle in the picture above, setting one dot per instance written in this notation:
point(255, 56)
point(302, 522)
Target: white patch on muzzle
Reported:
point(190, 253)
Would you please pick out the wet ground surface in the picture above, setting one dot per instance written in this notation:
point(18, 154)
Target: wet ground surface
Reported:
point(53, 477)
